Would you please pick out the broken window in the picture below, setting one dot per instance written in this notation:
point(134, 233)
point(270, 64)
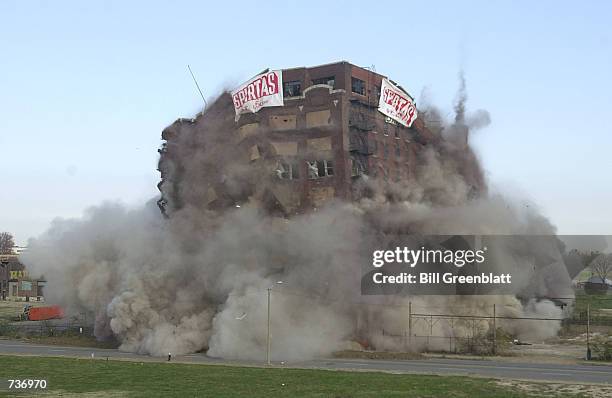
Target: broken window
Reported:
point(287, 170)
point(320, 169)
point(326, 168)
point(356, 167)
point(292, 89)
point(358, 86)
point(330, 81)
point(313, 171)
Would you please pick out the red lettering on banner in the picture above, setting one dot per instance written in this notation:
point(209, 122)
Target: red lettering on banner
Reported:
point(403, 107)
point(261, 87)
point(397, 104)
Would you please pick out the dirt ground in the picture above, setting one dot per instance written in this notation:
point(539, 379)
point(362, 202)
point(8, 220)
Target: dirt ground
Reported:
point(557, 389)
point(551, 352)
point(536, 353)
point(354, 354)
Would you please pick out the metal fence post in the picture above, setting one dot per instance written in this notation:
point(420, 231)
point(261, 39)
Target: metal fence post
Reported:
point(494, 332)
point(409, 322)
point(588, 331)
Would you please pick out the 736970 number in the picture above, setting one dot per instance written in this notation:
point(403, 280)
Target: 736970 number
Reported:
point(25, 384)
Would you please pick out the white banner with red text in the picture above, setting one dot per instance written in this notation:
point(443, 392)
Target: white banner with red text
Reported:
point(397, 104)
point(261, 91)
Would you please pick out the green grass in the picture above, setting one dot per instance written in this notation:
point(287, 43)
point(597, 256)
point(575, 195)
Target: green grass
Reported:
point(159, 379)
point(71, 339)
point(597, 302)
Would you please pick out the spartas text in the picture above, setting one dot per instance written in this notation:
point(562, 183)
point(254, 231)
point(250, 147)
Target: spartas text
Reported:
point(397, 104)
point(261, 91)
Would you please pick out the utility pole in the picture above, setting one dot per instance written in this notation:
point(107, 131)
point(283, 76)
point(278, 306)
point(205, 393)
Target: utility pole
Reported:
point(268, 349)
point(588, 331)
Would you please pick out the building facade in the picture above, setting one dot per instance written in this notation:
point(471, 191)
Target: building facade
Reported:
point(15, 282)
point(325, 138)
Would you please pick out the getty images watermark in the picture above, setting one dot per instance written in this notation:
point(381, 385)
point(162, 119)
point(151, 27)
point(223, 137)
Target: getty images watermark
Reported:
point(412, 257)
point(465, 265)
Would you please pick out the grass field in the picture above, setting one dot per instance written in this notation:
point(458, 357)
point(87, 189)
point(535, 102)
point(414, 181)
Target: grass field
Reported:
point(73, 340)
point(72, 377)
point(596, 302)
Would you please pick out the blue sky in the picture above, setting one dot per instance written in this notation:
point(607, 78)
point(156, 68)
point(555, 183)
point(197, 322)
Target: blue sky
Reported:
point(87, 87)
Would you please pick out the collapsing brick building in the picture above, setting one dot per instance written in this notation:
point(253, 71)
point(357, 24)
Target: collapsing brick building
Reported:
point(323, 137)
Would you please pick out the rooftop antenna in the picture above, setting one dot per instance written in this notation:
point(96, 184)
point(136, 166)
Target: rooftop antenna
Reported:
point(198, 86)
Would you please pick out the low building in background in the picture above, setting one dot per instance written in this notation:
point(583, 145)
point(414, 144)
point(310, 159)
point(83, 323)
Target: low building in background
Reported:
point(15, 282)
point(597, 285)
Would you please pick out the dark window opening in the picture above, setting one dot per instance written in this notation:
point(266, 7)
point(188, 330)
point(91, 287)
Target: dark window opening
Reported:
point(330, 81)
point(292, 89)
point(320, 169)
point(386, 151)
point(358, 86)
point(397, 151)
point(356, 168)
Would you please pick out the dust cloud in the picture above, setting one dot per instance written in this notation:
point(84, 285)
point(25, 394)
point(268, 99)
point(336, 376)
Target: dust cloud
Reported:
point(197, 276)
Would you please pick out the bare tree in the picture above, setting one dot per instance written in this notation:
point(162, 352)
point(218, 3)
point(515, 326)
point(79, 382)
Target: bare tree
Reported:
point(6, 243)
point(602, 266)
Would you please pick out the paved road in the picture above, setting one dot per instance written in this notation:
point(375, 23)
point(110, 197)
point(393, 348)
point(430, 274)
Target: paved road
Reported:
point(488, 368)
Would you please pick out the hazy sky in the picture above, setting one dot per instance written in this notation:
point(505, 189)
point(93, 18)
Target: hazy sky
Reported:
point(87, 87)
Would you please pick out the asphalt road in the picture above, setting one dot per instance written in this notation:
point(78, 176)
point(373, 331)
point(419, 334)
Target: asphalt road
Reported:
point(578, 373)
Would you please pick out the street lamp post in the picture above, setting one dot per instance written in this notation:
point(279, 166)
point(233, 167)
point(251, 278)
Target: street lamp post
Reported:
point(268, 348)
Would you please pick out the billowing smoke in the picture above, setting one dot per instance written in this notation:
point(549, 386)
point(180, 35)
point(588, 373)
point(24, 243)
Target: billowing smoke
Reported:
point(198, 278)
